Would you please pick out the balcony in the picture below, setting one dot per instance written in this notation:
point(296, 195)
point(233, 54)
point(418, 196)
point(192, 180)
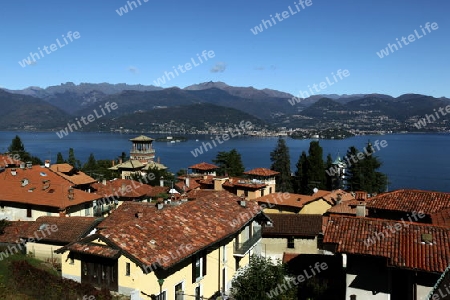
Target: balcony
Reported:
point(149, 151)
point(240, 249)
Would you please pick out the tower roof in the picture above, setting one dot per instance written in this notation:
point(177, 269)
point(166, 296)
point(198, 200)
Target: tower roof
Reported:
point(142, 138)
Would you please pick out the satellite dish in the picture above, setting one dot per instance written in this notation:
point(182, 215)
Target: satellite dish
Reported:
point(315, 190)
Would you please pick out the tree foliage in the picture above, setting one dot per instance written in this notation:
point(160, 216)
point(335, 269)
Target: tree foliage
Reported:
point(229, 163)
point(281, 162)
point(259, 279)
point(310, 171)
point(331, 183)
point(316, 169)
point(363, 174)
point(3, 224)
point(60, 158)
point(72, 160)
point(18, 148)
point(301, 178)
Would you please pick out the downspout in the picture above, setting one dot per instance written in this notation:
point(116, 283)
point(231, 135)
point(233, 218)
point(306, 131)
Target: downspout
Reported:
point(219, 269)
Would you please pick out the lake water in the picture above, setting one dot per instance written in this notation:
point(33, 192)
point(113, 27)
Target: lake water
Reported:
point(418, 161)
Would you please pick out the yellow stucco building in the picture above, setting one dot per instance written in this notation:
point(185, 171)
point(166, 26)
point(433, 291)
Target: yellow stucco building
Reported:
point(192, 247)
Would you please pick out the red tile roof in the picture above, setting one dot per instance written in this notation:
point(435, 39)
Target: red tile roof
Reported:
point(44, 188)
point(172, 234)
point(289, 256)
point(8, 160)
point(360, 195)
point(403, 248)
point(94, 249)
point(123, 188)
point(243, 183)
point(14, 231)
point(346, 208)
point(74, 176)
point(193, 184)
point(204, 166)
point(332, 197)
point(404, 200)
point(441, 218)
point(293, 200)
point(195, 194)
point(263, 172)
point(68, 229)
point(293, 225)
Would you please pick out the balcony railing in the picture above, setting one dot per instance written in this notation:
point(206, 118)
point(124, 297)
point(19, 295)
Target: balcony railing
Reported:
point(242, 248)
point(142, 151)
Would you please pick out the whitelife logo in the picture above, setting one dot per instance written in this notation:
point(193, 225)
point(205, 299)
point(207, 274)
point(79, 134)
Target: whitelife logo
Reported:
point(411, 38)
point(187, 66)
point(280, 17)
point(86, 120)
point(32, 59)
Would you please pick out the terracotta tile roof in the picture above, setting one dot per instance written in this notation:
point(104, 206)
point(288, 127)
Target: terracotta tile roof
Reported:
point(293, 200)
point(403, 248)
point(346, 208)
point(63, 168)
point(8, 160)
point(193, 184)
point(156, 190)
point(197, 223)
point(243, 183)
point(293, 225)
point(44, 188)
point(123, 188)
point(404, 200)
point(441, 218)
point(262, 172)
point(69, 173)
point(14, 231)
point(204, 166)
point(94, 249)
point(332, 197)
point(289, 256)
point(68, 228)
point(360, 195)
point(194, 194)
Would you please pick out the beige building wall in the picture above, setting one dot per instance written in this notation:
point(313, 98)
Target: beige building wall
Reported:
point(221, 260)
point(318, 207)
point(43, 251)
point(275, 247)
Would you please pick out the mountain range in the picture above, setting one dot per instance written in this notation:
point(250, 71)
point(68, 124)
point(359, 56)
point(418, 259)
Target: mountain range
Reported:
point(203, 106)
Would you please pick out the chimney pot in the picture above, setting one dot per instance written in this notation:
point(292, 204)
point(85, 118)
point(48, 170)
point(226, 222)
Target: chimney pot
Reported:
point(361, 209)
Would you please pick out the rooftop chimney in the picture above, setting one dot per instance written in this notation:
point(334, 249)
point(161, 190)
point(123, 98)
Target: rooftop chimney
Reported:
point(159, 205)
point(104, 181)
point(361, 209)
point(140, 213)
point(339, 199)
point(13, 172)
point(242, 202)
point(187, 180)
point(70, 195)
point(47, 163)
point(22, 165)
point(161, 181)
point(29, 165)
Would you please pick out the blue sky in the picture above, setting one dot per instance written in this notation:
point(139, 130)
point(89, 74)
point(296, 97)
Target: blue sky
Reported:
point(301, 50)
